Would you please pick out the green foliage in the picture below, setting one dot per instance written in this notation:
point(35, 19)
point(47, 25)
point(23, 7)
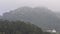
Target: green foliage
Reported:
point(46, 33)
point(18, 27)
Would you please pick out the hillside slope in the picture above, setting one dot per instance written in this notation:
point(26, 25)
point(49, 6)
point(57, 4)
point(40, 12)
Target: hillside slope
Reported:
point(39, 16)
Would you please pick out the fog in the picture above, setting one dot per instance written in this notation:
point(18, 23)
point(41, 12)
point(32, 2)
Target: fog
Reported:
point(6, 5)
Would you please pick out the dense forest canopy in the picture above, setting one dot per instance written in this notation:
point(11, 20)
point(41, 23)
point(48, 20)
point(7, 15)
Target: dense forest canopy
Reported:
point(18, 27)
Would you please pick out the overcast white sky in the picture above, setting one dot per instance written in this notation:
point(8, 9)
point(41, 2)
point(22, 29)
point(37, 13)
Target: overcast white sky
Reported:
point(6, 5)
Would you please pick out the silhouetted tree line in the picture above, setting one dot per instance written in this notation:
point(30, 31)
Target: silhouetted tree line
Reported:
point(18, 27)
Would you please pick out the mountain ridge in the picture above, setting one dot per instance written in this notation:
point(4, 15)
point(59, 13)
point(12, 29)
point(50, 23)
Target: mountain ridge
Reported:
point(39, 16)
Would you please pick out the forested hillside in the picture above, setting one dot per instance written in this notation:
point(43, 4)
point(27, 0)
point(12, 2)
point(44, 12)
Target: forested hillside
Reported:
point(40, 16)
point(18, 27)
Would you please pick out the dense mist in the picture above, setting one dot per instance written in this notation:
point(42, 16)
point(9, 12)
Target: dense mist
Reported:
point(6, 5)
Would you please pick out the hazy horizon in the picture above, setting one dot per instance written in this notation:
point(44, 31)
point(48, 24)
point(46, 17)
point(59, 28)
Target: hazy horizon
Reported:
point(6, 5)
